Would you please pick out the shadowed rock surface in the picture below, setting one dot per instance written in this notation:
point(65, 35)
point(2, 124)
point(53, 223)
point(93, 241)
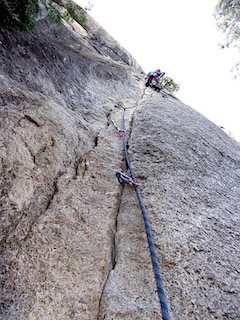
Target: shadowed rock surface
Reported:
point(73, 243)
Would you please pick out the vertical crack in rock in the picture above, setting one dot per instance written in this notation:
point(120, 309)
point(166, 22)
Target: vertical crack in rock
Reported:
point(26, 229)
point(62, 209)
point(132, 118)
point(113, 263)
point(143, 93)
point(55, 190)
point(81, 163)
point(113, 255)
point(114, 249)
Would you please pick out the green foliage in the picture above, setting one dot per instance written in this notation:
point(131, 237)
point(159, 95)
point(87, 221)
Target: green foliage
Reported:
point(22, 13)
point(81, 18)
point(58, 2)
point(26, 21)
point(169, 84)
point(227, 15)
point(18, 13)
point(54, 16)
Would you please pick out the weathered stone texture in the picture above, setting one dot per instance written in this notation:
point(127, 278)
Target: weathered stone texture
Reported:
point(190, 174)
point(73, 242)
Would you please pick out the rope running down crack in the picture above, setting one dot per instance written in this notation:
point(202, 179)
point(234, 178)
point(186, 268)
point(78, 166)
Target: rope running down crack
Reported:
point(159, 283)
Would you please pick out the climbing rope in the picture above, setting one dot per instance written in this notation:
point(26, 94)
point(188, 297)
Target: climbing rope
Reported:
point(160, 290)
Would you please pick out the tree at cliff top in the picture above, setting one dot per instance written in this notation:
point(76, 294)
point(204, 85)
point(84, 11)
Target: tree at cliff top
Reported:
point(19, 13)
point(170, 85)
point(227, 14)
point(22, 13)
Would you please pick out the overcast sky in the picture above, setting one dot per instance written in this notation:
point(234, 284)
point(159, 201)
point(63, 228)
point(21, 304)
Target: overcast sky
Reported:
point(180, 38)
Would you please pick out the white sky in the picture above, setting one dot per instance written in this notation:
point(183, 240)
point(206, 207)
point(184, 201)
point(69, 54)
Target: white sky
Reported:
point(180, 38)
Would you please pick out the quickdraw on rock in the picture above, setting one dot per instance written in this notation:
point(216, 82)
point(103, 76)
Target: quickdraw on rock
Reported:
point(124, 179)
point(119, 131)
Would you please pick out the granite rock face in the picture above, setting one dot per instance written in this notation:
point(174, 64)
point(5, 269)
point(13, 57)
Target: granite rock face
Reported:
point(189, 170)
point(73, 243)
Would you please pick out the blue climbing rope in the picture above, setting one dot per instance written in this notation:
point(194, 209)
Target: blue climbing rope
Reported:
point(160, 290)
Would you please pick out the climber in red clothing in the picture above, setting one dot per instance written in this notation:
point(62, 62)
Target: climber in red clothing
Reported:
point(153, 77)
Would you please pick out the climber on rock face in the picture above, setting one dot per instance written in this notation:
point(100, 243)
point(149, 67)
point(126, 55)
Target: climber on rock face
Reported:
point(148, 78)
point(159, 74)
point(153, 77)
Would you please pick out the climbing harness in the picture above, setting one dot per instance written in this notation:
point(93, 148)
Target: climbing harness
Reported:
point(160, 290)
point(124, 179)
